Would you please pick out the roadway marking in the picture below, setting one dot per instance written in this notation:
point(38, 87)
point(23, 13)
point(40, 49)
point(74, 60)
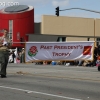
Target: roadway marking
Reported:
point(28, 91)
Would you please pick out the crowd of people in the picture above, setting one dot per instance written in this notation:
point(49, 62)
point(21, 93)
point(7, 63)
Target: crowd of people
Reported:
point(17, 56)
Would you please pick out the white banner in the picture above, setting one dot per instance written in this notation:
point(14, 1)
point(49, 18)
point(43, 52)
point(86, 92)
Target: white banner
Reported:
point(59, 51)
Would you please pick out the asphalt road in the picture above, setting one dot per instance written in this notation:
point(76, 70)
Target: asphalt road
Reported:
point(39, 82)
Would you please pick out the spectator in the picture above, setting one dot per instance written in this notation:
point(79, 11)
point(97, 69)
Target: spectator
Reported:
point(13, 56)
point(18, 57)
point(80, 63)
point(22, 60)
point(10, 58)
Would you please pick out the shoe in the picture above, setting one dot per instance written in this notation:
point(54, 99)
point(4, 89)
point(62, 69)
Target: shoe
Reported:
point(3, 76)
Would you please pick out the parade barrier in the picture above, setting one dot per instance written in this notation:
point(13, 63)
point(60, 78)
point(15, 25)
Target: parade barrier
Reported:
point(58, 51)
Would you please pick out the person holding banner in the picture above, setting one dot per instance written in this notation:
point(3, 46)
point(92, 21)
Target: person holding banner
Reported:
point(5, 44)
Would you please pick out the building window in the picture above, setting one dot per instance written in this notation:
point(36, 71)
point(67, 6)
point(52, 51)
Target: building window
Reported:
point(10, 28)
point(61, 39)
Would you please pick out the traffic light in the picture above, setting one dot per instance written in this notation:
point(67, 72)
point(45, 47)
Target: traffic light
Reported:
point(57, 11)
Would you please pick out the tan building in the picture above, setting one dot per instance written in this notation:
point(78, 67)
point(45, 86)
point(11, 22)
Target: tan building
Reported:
point(74, 28)
point(69, 28)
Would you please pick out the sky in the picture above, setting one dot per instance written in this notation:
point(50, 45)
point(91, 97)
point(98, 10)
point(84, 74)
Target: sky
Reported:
point(47, 7)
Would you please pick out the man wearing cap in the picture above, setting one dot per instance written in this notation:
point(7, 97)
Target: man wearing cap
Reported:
point(5, 44)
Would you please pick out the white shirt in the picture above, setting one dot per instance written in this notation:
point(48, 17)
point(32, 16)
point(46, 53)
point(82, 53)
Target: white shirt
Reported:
point(4, 42)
